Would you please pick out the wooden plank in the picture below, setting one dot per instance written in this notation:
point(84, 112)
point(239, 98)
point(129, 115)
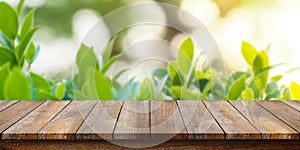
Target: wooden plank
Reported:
point(282, 111)
point(5, 104)
point(67, 122)
point(293, 104)
point(14, 113)
point(198, 121)
point(101, 121)
point(133, 121)
point(231, 121)
point(270, 126)
point(30, 125)
point(166, 121)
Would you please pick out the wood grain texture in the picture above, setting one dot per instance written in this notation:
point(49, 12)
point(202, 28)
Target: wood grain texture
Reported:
point(166, 121)
point(198, 121)
point(293, 104)
point(12, 114)
point(270, 126)
point(67, 122)
point(101, 121)
point(231, 121)
point(287, 114)
point(5, 104)
point(134, 121)
point(30, 125)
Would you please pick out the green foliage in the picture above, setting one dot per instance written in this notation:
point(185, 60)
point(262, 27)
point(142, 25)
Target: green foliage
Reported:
point(181, 80)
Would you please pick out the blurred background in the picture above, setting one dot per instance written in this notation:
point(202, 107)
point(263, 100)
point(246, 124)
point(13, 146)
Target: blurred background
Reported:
point(64, 24)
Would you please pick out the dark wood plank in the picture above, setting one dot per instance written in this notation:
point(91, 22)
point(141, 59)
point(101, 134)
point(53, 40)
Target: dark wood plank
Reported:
point(169, 145)
point(5, 104)
point(198, 121)
point(30, 125)
point(287, 114)
point(133, 122)
point(231, 121)
point(14, 113)
point(166, 121)
point(293, 104)
point(101, 121)
point(270, 126)
point(67, 122)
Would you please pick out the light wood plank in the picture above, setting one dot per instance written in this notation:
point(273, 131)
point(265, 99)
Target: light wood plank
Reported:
point(5, 104)
point(30, 125)
point(67, 122)
point(270, 126)
point(287, 114)
point(166, 121)
point(293, 104)
point(101, 121)
point(133, 121)
point(231, 121)
point(198, 121)
point(14, 113)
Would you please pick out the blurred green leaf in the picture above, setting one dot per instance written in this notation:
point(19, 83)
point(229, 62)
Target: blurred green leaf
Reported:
point(201, 84)
point(20, 6)
point(147, 90)
point(277, 78)
point(236, 75)
point(236, 89)
point(30, 54)
point(295, 91)
point(17, 86)
point(109, 63)
point(27, 24)
point(7, 56)
point(272, 91)
point(181, 93)
point(22, 48)
point(248, 94)
point(160, 73)
point(103, 87)
point(109, 50)
point(4, 73)
point(5, 42)
point(8, 21)
point(172, 69)
point(41, 86)
point(261, 62)
point(255, 90)
point(60, 90)
point(249, 53)
point(178, 80)
point(187, 49)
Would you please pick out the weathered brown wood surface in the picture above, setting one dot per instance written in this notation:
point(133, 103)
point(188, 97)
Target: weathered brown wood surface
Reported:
point(21, 121)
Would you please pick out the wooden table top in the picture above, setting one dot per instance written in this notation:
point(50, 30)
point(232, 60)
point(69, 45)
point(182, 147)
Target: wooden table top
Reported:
point(131, 120)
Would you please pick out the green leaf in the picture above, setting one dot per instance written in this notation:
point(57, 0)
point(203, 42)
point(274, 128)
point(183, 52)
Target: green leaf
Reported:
point(261, 61)
point(117, 76)
point(86, 59)
point(31, 53)
point(295, 91)
point(201, 84)
point(17, 86)
point(160, 73)
point(187, 47)
point(109, 50)
point(4, 73)
point(7, 56)
point(41, 86)
point(248, 94)
point(236, 75)
point(172, 69)
point(277, 78)
point(236, 89)
point(5, 42)
point(22, 49)
point(109, 63)
point(178, 80)
point(20, 6)
point(60, 90)
point(255, 90)
point(103, 87)
point(180, 93)
point(249, 53)
point(147, 90)
point(128, 91)
point(8, 21)
point(27, 24)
